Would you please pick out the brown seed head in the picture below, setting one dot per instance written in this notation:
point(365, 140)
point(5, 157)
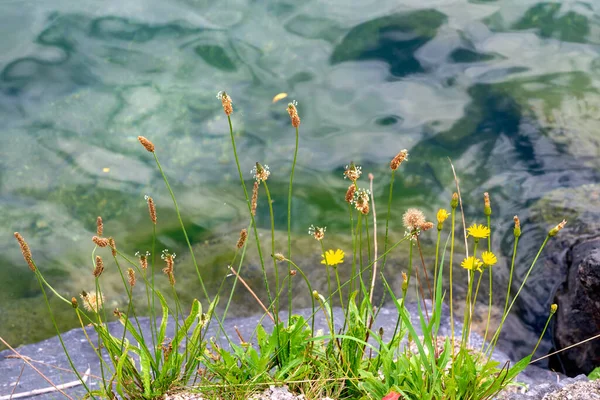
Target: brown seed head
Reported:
point(113, 246)
point(487, 208)
point(99, 267)
point(254, 198)
point(226, 101)
point(517, 230)
point(350, 193)
point(291, 108)
point(146, 143)
point(554, 231)
point(365, 209)
point(26, 252)
point(144, 262)
point(99, 226)
point(426, 226)
point(399, 159)
point(293, 272)
point(167, 350)
point(404, 281)
point(131, 277)
point(151, 209)
point(92, 301)
point(413, 219)
point(100, 242)
point(361, 200)
point(168, 270)
point(261, 173)
point(317, 232)
point(242, 239)
point(74, 302)
point(352, 172)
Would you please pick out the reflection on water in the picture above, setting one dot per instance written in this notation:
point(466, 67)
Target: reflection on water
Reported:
point(508, 90)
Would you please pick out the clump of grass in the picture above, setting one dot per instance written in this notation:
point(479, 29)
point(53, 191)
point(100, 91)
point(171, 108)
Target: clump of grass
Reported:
point(350, 359)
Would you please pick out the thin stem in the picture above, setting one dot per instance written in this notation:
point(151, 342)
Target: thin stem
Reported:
point(187, 239)
point(352, 233)
point(41, 280)
point(426, 277)
point(328, 277)
point(153, 313)
point(542, 335)
point(387, 217)
point(253, 294)
point(275, 266)
point(489, 317)
point(492, 345)
point(260, 255)
point(289, 226)
point(469, 306)
point(510, 276)
point(453, 216)
point(310, 291)
point(437, 251)
point(374, 270)
point(404, 290)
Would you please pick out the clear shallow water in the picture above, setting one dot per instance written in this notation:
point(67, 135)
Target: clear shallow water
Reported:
point(507, 89)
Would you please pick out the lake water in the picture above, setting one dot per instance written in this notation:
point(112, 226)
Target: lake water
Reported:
point(509, 90)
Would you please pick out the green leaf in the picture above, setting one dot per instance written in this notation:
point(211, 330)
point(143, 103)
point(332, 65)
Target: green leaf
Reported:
point(131, 329)
point(145, 367)
point(595, 374)
point(195, 314)
point(165, 318)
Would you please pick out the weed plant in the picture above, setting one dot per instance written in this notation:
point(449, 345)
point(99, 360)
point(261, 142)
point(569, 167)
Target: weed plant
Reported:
point(350, 360)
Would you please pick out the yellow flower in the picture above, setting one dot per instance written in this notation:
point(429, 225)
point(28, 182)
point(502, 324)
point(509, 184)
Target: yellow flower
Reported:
point(479, 231)
point(333, 257)
point(471, 263)
point(442, 215)
point(489, 258)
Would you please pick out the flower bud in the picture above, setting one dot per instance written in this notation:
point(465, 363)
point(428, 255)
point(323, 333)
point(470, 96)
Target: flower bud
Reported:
point(517, 230)
point(454, 201)
point(554, 231)
point(404, 281)
point(553, 308)
point(487, 208)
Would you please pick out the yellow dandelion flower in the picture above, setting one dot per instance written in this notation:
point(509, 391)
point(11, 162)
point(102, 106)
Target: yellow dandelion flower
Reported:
point(479, 231)
point(333, 257)
point(489, 258)
point(471, 263)
point(442, 215)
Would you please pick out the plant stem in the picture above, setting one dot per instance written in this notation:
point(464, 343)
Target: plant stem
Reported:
point(289, 226)
point(542, 335)
point(187, 239)
point(387, 218)
point(494, 340)
point(329, 293)
point(437, 251)
point(275, 266)
point(489, 317)
point(510, 276)
point(41, 282)
point(453, 216)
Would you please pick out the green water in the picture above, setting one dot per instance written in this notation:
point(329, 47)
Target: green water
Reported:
point(507, 89)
